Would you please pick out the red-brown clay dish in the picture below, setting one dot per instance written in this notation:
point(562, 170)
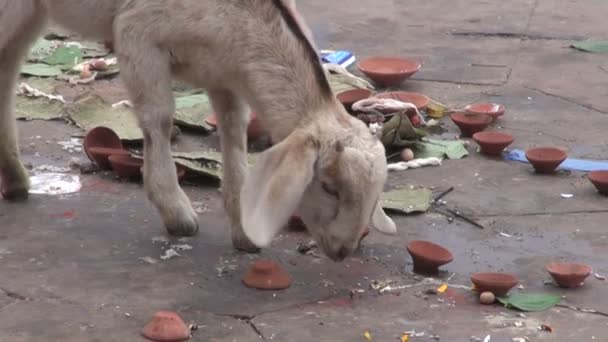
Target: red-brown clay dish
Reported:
point(600, 180)
point(166, 326)
point(498, 283)
point(428, 256)
point(100, 155)
point(255, 130)
point(546, 159)
point(349, 97)
point(389, 71)
point(492, 143)
point(267, 275)
point(101, 137)
point(494, 110)
point(125, 166)
point(470, 124)
point(296, 223)
point(417, 99)
point(568, 275)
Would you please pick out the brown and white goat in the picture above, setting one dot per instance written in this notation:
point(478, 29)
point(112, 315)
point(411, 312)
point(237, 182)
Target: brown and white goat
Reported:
point(257, 53)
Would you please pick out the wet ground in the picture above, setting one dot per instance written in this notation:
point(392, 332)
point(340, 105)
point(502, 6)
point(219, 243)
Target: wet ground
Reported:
point(87, 267)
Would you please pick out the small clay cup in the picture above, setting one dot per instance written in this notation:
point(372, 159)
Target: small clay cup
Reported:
point(349, 97)
point(166, 326)
point(492, 143)
point(417, 99)
point(546, 160)
point(125, 166)
point(568, 275)
point(600, 180)
point(498, 283)
point(428, 256)
point(266, 275)
point(389, 71)
point(296, 223)
point(470, 124)
point(494, 110)
point(101, 137)
point(101, 155)
point(255, 130)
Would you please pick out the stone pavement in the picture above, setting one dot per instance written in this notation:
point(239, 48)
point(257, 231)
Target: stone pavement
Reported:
point(96, 274)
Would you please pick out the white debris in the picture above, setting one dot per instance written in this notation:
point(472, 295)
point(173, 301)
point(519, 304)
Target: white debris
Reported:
point(169, 253)
point(567, 195)
point(487, 338)
point(123, 103)
point(50, 168)
point(74, 44)
point(25, 89)
point(599, 277)
point(505, 235)
point(414, 164)
point(160, 239)
point(149, 260)
point(183, 247)
point(72, 145)
point(54, 184)
point(78, 80)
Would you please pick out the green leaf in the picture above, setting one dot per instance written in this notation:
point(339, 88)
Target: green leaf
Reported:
point(40, 70)
point(407, 200)
point(91, 111)
point(440, 149)
point(65, 57)
point(530, 301)
point(598, 46)
point(41, 49)
point(192, 110)
point(37, 108)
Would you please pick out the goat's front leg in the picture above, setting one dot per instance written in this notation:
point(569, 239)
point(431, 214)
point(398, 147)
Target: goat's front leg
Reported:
point(233, 119)
point(20, 23)
point(145, 70)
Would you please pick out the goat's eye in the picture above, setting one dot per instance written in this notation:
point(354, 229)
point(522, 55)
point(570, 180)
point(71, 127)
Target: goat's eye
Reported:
point(329, 189)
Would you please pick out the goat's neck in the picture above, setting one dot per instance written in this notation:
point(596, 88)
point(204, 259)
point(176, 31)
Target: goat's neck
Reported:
point(284, 92)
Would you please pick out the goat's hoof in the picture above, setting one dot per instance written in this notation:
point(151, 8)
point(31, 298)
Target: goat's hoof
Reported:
point(183, 224)
point(183, 228)
point(241, 243)
point(15, 188)
point(15, 194)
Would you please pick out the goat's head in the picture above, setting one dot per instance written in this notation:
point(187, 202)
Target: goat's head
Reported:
point(332, 174)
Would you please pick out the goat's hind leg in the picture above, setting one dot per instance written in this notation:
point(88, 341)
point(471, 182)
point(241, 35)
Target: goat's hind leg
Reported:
point(20, 23)
point(145, 70)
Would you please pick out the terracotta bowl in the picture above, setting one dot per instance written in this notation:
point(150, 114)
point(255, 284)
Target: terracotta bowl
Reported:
point(266, 275)
point(349, 97)
point(568, 275)
point(296, 223)
point(546, 159)
point(493, 143)
point(389, 71)
point(255, 130)
point(600, 181)
point(101, 137)
point(166, 326)
point(125, 166)
point(470, 124)
point(428, 257)
point(101, 155)
point(498, 283)
point(494, 110)
point(417, 99)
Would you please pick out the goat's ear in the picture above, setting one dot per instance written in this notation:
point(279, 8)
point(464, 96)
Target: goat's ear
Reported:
point(274, 186)
point(381, 222)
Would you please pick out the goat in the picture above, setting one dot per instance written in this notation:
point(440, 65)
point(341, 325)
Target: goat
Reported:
point(259, 53)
